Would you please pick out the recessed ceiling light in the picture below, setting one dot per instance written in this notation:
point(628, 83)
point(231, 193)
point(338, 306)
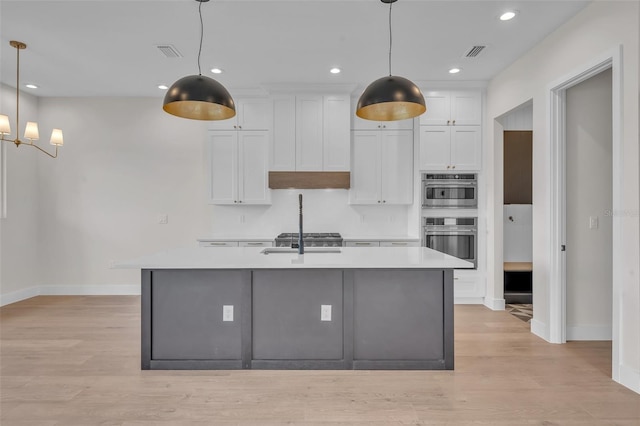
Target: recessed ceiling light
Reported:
point(163, 87)
point(31, 86)
point(216, 70)
point(454, 70)
point(508, 15)
point(335, 70)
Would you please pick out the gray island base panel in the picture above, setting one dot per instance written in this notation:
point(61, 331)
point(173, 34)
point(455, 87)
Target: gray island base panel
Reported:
point(202, 319)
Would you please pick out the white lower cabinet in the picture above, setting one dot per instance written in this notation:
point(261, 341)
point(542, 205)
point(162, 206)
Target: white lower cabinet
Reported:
point(382, 167)
point(226, 243)
point(238, 167)
point(467, 285)
point(369, 243)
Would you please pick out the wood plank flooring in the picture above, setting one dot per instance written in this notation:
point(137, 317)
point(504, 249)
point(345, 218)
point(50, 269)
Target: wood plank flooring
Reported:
point(67, 361)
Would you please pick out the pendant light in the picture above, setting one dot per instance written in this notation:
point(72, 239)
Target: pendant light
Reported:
point(390, 98)
point(199, 97)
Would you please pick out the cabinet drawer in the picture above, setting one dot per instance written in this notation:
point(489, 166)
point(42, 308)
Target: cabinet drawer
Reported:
point(362, 244)
point(255, 244)
point(218, 244)
point(399, 244)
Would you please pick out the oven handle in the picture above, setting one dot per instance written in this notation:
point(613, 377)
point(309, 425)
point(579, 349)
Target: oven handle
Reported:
point(435, 231)
point(432, 183)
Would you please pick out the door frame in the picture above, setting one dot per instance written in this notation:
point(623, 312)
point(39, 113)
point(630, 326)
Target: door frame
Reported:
point(557, 140)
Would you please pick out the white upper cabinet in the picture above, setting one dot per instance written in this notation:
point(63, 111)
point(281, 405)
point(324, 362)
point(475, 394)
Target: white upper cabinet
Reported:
point(450, 148)
point(251, 114)
point(452, 108)
point(358, 123)
point(382, 171)
point(310, 133)
point(238, 167)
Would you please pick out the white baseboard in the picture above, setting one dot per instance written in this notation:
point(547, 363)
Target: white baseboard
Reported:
point(92, 290)
point(539, 329)
point(467, 300)
point(494, 304)
point(70, 290)
point(16, 296)
point(630, 378)
point(589, 332)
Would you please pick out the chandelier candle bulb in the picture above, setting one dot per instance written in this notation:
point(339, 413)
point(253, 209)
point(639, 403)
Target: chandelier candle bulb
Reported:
point(31, 131)
point(5, 127)
point(56, 137)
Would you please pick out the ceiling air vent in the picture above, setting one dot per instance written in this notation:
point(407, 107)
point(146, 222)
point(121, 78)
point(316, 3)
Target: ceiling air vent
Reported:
point(474, 51)
point(169, 51)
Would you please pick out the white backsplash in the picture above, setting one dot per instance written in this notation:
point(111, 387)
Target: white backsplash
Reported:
point(324, 210)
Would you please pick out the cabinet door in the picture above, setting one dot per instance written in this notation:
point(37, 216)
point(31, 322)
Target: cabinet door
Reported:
point(465, 148)
point(435, 144)
point(438, 109)
point(254, 114)
point(397, 167)
point(309, 147)
point(283, 140)
point(336, 134)
point(223, 167)
point(365, 170)
point(466, 108)
point(253, 147)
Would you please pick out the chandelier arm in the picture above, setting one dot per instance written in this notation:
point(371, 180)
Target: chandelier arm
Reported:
point(55, 155)
point(17, 95)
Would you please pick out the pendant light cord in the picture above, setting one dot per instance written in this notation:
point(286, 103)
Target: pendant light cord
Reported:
point(390, 38)
point(201, 35)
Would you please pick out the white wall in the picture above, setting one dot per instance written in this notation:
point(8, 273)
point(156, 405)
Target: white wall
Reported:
point(598, 29)
point(519, 119)
point(124, 162)
point(589, 180)
point(19, 231)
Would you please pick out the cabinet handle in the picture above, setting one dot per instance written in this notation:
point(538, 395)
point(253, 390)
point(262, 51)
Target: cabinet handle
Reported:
point(255, 244)
point(448, 167)
point(240, 201)
point(240, 127)
point(235, 127)
point(448, 122)
point(454, 122)
point(378, 201)
point(363, 244)
point(398, 244)
point(217, 244)
point(235, 201)
point(384, 126)
point(453, 167)
point(384, 201)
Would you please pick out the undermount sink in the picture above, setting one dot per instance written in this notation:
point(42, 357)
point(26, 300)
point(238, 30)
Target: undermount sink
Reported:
point(307, 250)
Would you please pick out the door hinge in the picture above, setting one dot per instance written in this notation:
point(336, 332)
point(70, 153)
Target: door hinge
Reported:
point(563, 248)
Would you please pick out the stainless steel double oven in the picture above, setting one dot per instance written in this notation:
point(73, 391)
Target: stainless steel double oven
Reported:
point(457, 236)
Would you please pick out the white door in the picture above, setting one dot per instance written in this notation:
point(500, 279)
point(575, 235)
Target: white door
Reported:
point(253, 151)
point(309, 149)
point(466, 148)
point(365, 171)
point(223, 167)
point(466, 109)
point(397, 167)
point(438, 109)
point(435, 147)
point(336, 133)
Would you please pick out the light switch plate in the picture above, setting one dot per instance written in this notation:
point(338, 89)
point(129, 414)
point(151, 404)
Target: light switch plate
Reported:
point(325, 312)
point(593, 222)
point(227, 313)
point(163, 219)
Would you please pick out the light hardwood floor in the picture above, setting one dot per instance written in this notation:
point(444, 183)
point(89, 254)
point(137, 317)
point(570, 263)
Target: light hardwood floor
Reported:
point(69, 361)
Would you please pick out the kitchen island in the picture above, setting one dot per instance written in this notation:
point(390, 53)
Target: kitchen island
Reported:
point(359, 308)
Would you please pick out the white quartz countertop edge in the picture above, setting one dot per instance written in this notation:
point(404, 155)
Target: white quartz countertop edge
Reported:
point(389, 238)
point(232, 238)
point(252, 258)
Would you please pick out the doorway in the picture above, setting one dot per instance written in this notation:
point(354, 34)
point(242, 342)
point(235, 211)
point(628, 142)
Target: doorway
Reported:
point(518, 211)
point(557, 295)
point(588, 207)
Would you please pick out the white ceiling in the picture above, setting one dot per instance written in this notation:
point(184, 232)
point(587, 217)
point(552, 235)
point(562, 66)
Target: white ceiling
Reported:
point(107, 48)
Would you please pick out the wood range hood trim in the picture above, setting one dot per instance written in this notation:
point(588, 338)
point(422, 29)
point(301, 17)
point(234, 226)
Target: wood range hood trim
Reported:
point(309, 180)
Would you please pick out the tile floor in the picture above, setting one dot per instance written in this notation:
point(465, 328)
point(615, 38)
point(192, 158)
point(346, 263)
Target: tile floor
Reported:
point(520, 311)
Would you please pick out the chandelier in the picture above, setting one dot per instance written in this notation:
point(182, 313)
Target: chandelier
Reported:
point(31, 129)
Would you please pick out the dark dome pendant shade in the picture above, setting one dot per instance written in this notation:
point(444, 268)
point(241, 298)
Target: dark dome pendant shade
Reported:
point(392, 97)
point(198, 97)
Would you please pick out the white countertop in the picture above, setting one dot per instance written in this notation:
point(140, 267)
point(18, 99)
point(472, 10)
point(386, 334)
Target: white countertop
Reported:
point(232, 238)
point(252, 258)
